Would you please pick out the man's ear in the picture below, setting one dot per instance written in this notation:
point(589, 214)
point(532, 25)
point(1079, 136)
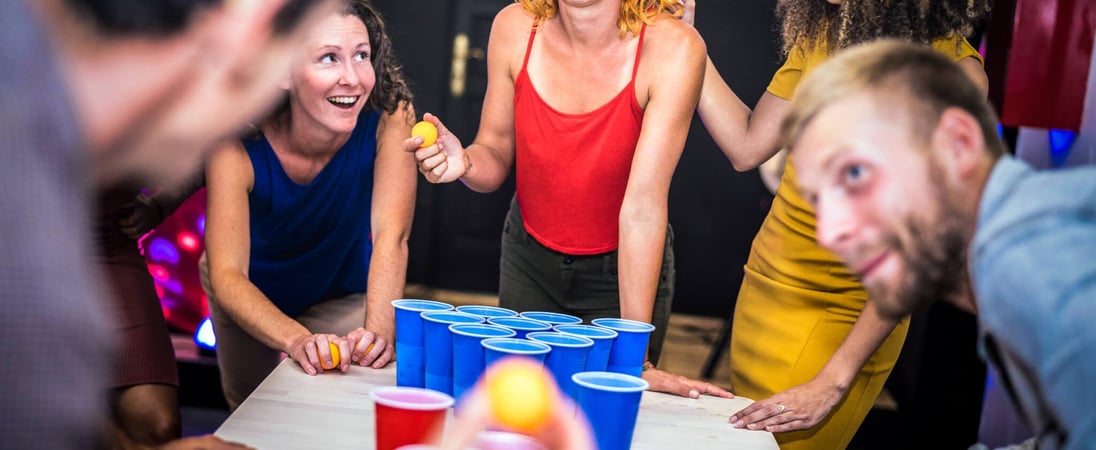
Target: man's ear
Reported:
point(959, 142)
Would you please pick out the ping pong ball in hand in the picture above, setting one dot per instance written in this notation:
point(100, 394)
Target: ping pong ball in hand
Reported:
point(427, 131)
point(520, 394)
point(334, 357)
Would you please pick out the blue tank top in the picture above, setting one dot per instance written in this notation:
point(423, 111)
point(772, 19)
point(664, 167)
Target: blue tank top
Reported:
point(311, 243)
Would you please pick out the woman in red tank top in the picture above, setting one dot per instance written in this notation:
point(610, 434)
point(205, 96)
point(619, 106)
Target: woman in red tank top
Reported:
point(590, 101)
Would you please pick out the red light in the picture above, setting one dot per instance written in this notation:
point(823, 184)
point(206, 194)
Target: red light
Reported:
point(187, 241)
point(158, 272)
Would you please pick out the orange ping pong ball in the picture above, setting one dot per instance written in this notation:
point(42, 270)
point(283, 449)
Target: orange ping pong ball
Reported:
point(520, 393)
point(427, 131)
point(334, 357)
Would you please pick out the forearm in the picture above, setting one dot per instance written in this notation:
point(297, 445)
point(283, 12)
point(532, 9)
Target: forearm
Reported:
point(741, 134)
point(387, 275)
point(867, 335)
point(255, 313)
point(639, 262)
point(487, 168)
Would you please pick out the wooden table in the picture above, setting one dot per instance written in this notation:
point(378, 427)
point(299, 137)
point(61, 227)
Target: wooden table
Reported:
point(291, 410)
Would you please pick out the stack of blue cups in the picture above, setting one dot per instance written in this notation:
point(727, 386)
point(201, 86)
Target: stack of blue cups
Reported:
point(439, 357)
point(411, 341)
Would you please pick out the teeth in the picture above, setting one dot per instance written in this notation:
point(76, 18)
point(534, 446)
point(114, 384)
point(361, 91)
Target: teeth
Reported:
point(343, 100)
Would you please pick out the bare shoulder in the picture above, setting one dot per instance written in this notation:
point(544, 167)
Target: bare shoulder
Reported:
point(671, 33)
point(676, 45)
point(512, 21)
point(230, 162)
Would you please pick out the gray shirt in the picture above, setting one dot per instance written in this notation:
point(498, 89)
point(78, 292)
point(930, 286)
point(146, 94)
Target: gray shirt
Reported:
point(53, 325)
point(1033, 262)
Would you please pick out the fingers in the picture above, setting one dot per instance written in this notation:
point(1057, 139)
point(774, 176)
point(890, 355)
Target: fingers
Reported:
point(705, 388)
point(760, 415)
point(385, 353)
point(344, 351)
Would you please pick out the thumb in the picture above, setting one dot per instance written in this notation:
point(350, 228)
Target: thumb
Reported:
point(437, 123)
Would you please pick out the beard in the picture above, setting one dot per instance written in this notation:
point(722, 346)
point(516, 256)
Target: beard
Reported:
point(934, 257)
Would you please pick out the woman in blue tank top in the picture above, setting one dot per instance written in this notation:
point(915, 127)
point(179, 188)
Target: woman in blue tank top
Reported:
point(307, 223)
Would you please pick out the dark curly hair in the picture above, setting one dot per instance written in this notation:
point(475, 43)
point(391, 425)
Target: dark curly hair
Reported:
point(390, 89)
point(807, 23)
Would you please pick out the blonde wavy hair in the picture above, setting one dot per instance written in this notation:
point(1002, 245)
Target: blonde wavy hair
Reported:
point(633, 13)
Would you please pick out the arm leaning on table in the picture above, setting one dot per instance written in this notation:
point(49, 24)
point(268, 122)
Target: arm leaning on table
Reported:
point(229, 179)
point(673, 88)
point(392, 209)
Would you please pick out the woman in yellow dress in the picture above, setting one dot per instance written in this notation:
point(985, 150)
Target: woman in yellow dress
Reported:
point(806, 342)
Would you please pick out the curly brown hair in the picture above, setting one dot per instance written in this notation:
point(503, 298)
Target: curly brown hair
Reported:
point(807, 23)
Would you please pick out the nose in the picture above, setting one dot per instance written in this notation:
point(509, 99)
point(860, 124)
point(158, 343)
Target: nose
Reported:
point(837, 221)
point(350, 75)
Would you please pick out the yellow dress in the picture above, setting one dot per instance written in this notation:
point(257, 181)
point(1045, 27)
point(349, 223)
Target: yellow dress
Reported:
point(798, 302)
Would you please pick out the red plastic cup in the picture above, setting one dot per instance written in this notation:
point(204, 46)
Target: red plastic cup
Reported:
point(407, 415)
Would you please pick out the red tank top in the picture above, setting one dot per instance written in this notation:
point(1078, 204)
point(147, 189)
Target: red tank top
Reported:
point(572, 169)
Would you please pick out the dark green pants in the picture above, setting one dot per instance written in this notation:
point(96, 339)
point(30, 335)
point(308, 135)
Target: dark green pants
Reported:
point(536, 278)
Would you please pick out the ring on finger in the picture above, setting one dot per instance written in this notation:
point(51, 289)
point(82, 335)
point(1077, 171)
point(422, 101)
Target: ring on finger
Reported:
point(781, 407)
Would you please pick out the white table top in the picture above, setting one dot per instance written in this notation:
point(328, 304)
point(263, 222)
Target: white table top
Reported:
point(292, 410)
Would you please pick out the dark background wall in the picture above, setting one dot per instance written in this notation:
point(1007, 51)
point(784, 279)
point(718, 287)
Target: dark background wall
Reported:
point(715, 211)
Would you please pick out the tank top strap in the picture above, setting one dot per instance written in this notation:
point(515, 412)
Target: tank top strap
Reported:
point(639, 51)
point(529, 46)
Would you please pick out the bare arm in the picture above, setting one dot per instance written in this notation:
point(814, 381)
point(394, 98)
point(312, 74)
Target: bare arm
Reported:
point(747, 138)
point(484, 165)
point(229, 178)
point(674, 85)
point(393, 207)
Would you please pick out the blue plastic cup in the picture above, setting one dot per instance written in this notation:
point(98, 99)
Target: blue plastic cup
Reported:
point(598, 359)
point(410, 340)
point(568, 356)
point(551, 317)
point(630, 346)
point(439, 359)
point(487, 312)
point(468, 353)
point(611, 404)
point(521, 325)
point(498, 348)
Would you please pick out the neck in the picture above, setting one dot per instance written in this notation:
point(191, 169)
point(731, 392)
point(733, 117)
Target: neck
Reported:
point(304, 137)
point(971, 204)
point(115, 83)
point(593, 23)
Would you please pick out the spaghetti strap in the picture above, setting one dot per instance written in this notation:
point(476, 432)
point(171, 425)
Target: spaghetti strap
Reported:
point(529, 46)
point(639, 50)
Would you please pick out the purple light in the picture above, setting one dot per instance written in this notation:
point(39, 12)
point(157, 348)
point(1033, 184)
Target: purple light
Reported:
point(160, 250)
point(201, 224)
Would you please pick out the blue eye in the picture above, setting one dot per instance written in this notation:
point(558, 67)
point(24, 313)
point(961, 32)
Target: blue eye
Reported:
point(328, 58)
point(854, 173)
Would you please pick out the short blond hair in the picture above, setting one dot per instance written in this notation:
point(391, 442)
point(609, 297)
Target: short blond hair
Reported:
point(633, 13)
point(908, 76)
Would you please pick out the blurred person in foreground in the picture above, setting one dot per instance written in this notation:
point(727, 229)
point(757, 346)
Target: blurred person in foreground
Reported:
point(897, 151)
point(106, 89)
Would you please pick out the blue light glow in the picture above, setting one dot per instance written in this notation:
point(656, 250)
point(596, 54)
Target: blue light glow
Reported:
point(1061, 142)
point(204, 337)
